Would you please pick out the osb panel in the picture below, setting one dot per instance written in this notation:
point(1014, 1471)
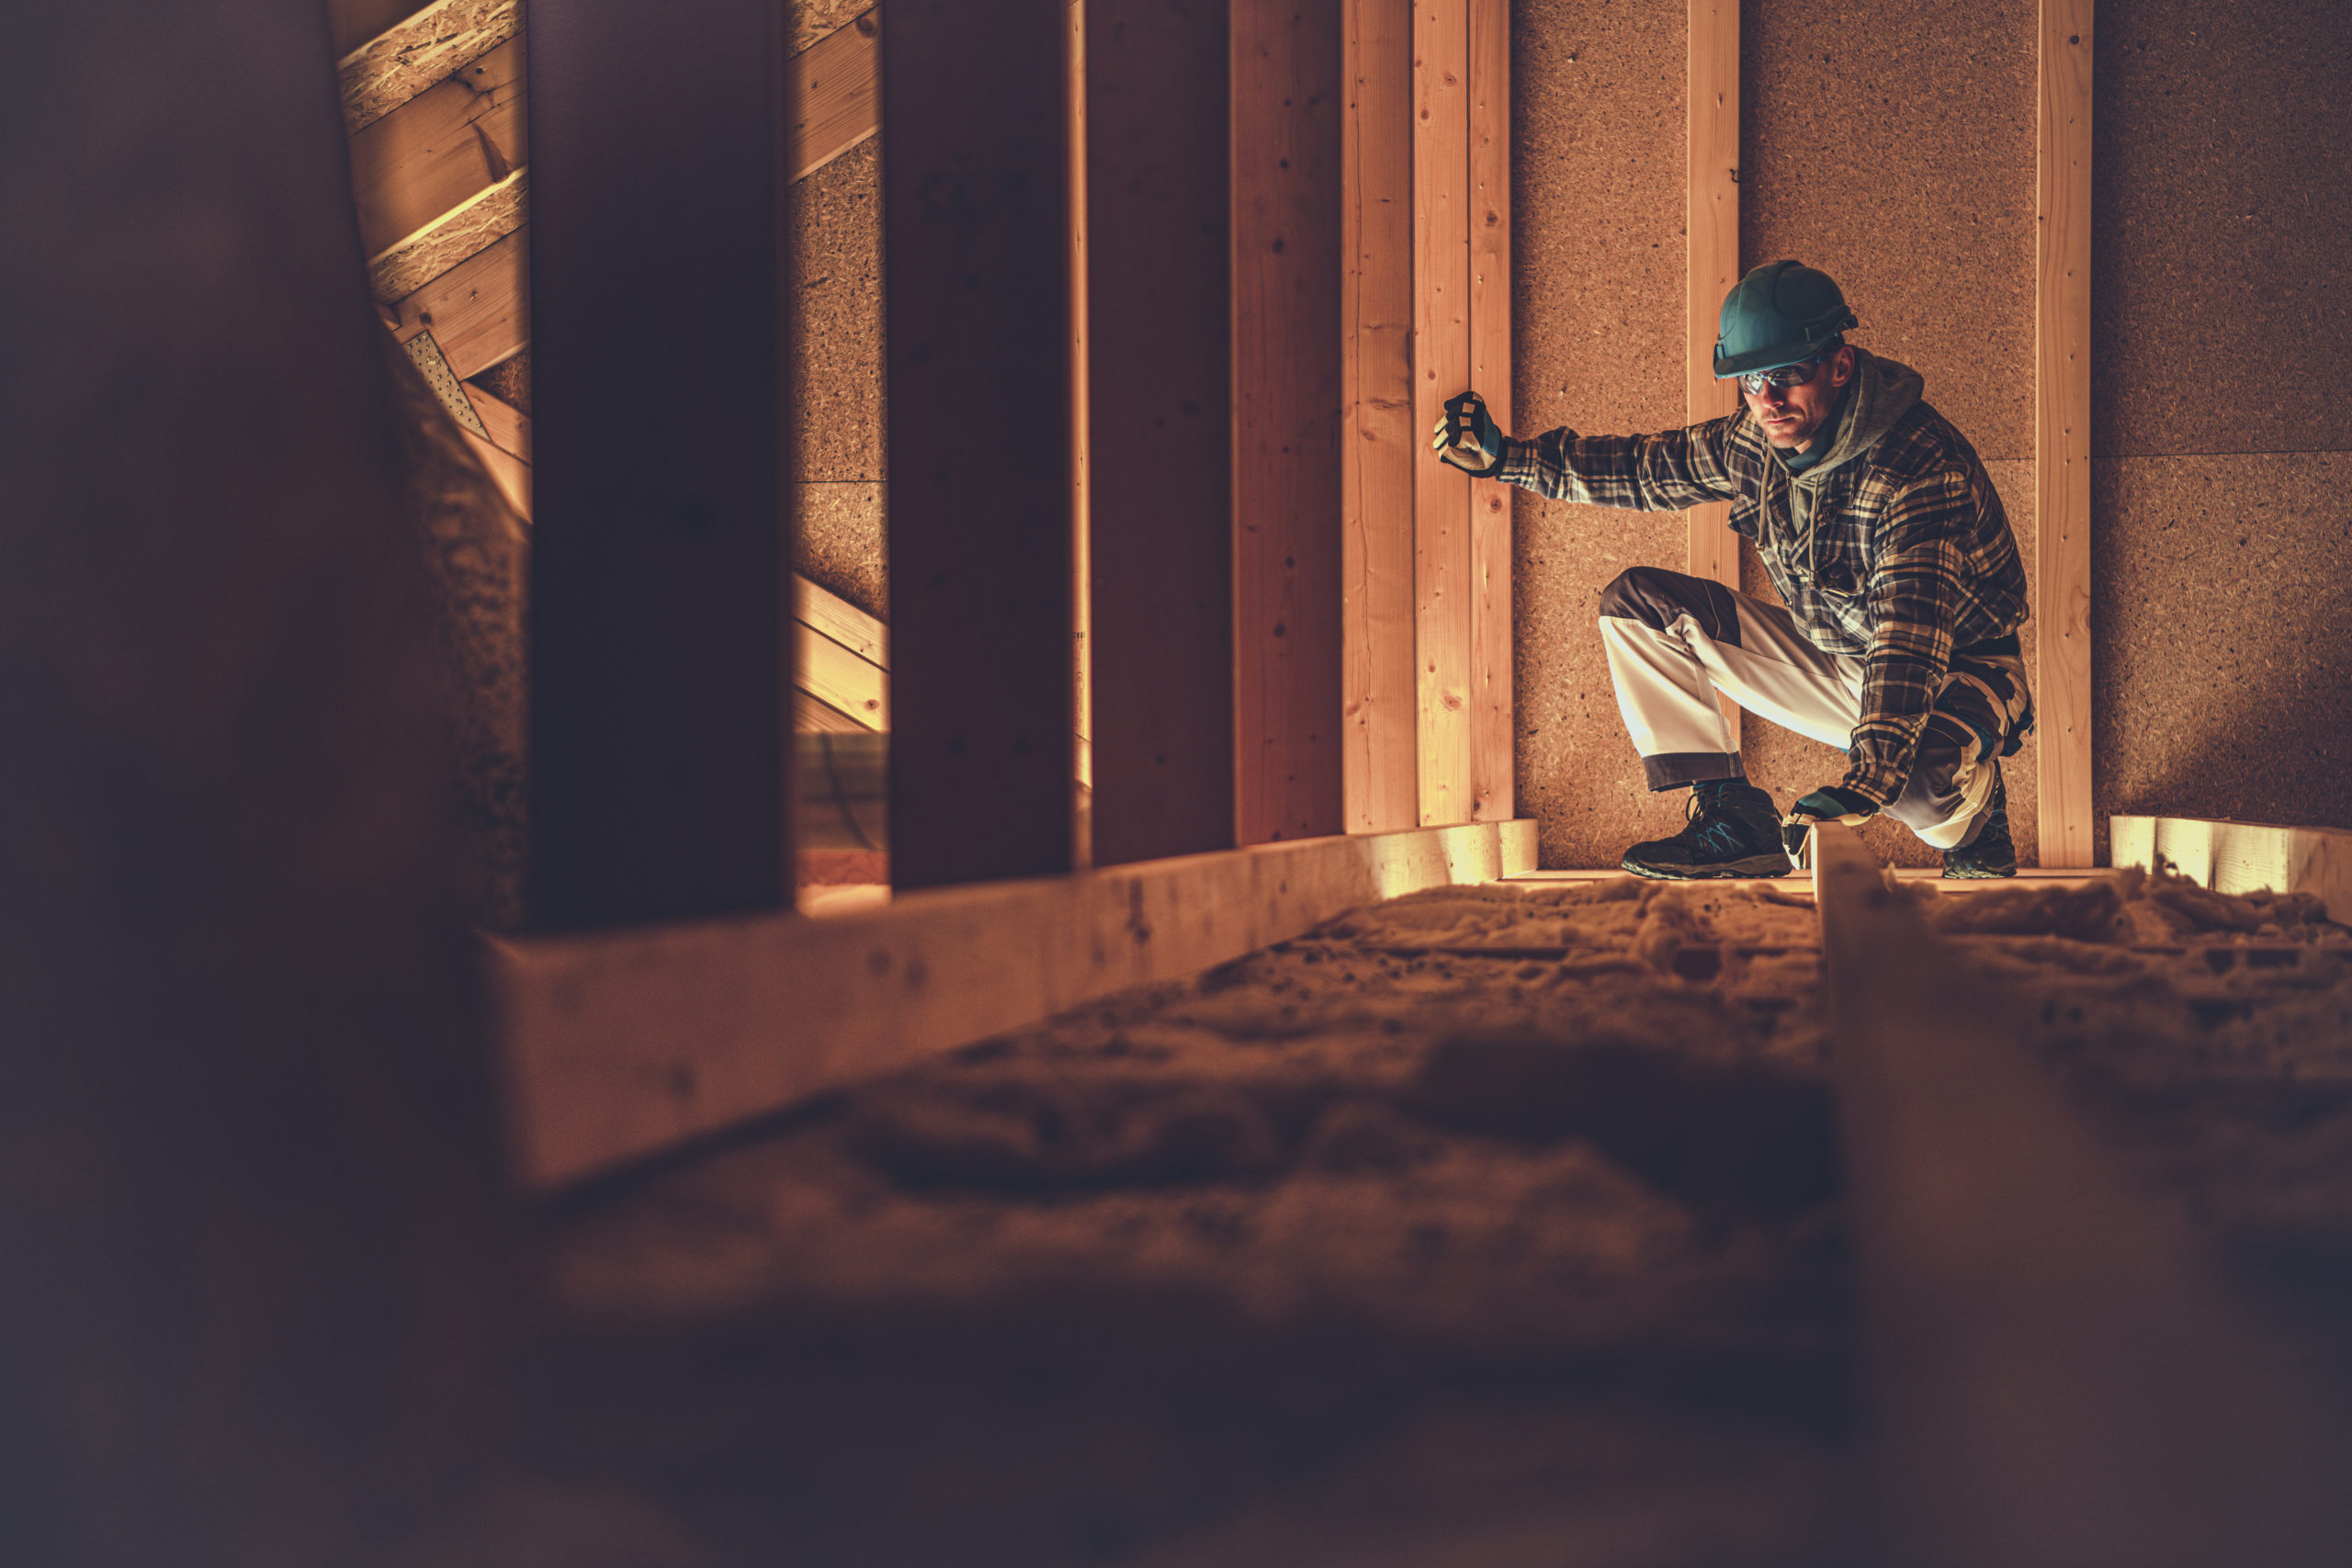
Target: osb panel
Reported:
point(837, 319)
point(1892, 145)
point(1790, 765)
point(2222, 255)
point(1597, 290)
point(2221, 676)
point(837, 542)
point(812, 19)
point(509, 381)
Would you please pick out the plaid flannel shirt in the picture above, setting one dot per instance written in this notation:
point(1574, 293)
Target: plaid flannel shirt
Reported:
point(1909, 556)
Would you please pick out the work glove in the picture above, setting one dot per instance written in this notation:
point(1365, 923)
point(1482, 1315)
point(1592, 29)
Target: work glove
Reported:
point(1831, 803)
point(1468, 437)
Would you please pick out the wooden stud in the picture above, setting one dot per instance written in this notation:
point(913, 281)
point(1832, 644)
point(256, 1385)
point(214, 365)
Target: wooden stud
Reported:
point(977, 299)
point(2062, 434)
point(621, 1045)
point(1711, 217)
point(428, 46)
point(659, 771)
point(1382, 775)
point(1159, 464)
point(1286, 96)
point(1492, 729)
point(1443, 587)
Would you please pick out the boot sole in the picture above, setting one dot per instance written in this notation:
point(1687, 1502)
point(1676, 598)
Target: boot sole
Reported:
point(1747, 870)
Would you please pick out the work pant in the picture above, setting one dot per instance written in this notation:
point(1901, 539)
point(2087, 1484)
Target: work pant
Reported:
point(1674, 641)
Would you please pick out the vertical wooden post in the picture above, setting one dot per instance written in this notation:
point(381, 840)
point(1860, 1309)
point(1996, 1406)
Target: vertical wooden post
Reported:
point(1712, 220)
point(2062, 433)
point(1286, 96)
point(975, 169)
point(1488, 211)
point(1081, 511)
point(1382, 772)
point(1443, 586)
point(658, 655)
point(1160, 469)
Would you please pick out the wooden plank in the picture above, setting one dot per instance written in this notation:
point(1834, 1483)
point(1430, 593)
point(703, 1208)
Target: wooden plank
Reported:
point(1381, 772)
point(2243, 857)
point(430, 46)
point(659, 653)
point(1286, 97)
point(509, 428)
point(2055, 1382)
point(977, 296)
point(842, 621)
point(440, 150)
point(1493, 730)
point(2062, 434)
point(838, 678)
point(1160, 465)
point(835, 86)
point(1710, 218)
point(465, 232)
point(621, 1045)
point(1444, 590)
point(479, 311)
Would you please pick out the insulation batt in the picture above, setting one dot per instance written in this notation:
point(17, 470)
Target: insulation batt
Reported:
point(1509, 1213)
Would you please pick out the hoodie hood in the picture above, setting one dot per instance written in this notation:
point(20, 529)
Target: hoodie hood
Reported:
point(1880, 393)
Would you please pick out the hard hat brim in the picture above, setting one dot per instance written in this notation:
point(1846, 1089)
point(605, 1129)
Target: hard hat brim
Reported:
point(1730, 364)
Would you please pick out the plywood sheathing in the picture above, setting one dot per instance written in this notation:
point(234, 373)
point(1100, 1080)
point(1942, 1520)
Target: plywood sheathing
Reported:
point(2221, 321)
point(836, 257)
point(2226, 682)
point(1598, 204)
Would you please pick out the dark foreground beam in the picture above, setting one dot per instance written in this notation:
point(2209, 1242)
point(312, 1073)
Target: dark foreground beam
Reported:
point(975, 171)
point(658, 645)
point(249, 1190)
point(2055, 1384)
point(1160, 455)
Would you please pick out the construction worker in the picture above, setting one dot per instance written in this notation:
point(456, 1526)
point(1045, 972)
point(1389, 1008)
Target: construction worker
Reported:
point(1897, 640)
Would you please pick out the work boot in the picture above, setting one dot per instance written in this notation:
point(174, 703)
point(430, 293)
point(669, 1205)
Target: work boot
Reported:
point(1734, 831)
point(1990, 852)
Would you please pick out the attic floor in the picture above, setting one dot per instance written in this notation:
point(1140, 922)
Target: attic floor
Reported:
point(1496, 1226)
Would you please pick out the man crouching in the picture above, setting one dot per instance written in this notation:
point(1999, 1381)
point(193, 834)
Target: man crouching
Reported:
point(1901, 581)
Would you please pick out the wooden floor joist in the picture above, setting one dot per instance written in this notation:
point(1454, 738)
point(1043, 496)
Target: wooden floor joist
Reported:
point(2052, 1382)
point(2061, 439)
point(2242, 857)
point(622, 1044)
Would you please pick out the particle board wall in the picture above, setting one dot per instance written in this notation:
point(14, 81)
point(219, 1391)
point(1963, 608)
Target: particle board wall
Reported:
point(2221, 421)
point(836, 258)
point(1596, 201)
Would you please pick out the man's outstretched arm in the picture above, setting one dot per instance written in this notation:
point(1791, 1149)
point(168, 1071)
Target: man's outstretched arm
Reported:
point(1665, 472)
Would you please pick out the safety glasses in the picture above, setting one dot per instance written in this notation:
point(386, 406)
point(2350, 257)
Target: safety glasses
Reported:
point(1787, 376)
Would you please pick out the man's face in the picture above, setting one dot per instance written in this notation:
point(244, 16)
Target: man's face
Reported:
point(1790, 416)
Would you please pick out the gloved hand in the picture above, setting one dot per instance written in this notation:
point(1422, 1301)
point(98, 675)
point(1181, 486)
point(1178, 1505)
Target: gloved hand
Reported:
point(1829, 804)
point(1468, 437)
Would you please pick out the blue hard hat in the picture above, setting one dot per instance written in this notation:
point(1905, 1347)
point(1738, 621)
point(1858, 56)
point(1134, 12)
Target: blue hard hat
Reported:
point(1782, 313)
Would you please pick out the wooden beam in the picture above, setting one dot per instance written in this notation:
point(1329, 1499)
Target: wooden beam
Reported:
point(842, 621)
point(1160, 427)
point(440, 150)
point(2053, 1380)
point(1444, 590)
point(1286, 96)
point(622, 1044)
point(1381, 772)
point(659, 651)
point(2062, 434)
point(479, 311)
point(509, 428)
point(458, 235)
point(838, 678)
point(835, 85)
point(977, 297)
point(1493, 731)
point(2242, 857)
point(430, 46)
point(1710, 219)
